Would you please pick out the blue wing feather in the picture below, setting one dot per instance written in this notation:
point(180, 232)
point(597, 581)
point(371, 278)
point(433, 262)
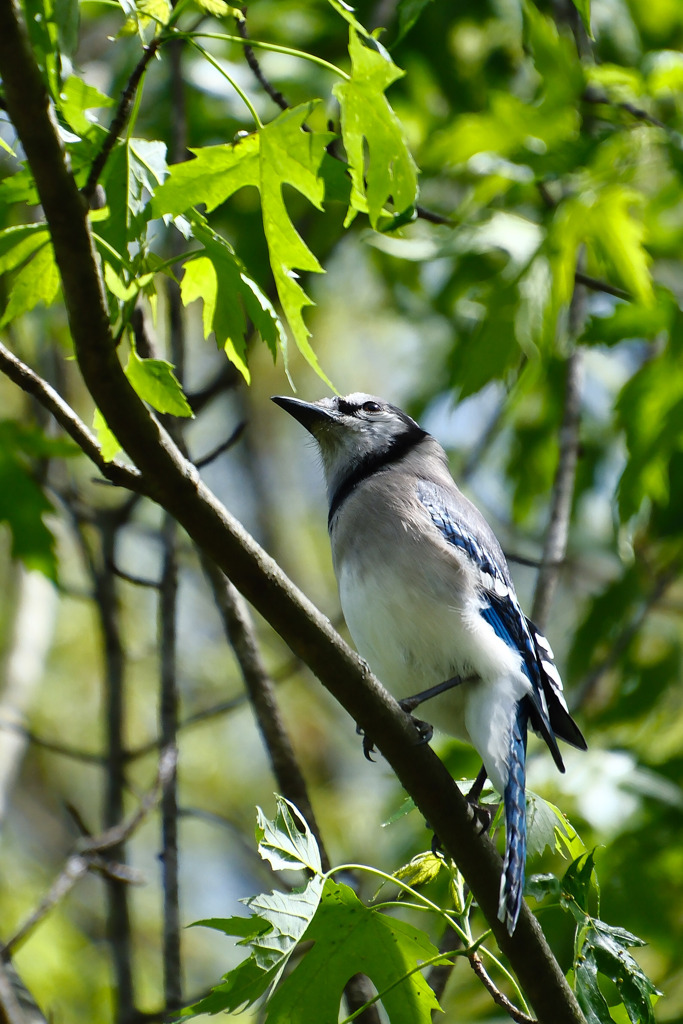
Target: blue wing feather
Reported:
point(544, 708)
point(500, 607)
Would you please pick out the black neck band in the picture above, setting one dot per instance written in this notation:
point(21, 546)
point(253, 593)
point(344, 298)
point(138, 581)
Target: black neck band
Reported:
point(371, 465)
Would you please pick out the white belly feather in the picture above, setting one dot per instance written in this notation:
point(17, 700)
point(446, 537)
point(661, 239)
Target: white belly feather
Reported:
point(413, 639)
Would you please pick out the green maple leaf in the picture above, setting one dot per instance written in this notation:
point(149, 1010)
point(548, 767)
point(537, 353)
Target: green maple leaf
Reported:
point(350, 938)
point(277, 154)
point(218, 278)
point(155, 382)
point(367, 119)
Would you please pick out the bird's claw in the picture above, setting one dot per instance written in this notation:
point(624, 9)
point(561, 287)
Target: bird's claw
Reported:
point(481, 817)
point(368, 745)
point(425, 729)
point(425, 732)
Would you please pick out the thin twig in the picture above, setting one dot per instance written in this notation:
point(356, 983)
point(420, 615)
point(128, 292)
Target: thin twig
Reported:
point(17, 1005)
point(122, 831)
point(118, 917)
point(137, 581)
point(597, 285)
point(228, 377)
point(557, 534)
point(241, 635)
point(432, 217)
point(593, 95)
point(87, 856)
point(252, 60)
point(223, 447)
point(498, 997)
point(120, 117)
point(75, 753)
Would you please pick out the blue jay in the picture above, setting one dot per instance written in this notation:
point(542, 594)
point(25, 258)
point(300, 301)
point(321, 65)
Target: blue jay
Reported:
point(428, 599)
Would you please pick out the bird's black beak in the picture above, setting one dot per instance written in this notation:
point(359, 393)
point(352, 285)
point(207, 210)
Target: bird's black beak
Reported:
point(309, 414)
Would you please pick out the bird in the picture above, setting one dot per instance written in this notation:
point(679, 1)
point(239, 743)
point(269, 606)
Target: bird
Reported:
point(429, 602)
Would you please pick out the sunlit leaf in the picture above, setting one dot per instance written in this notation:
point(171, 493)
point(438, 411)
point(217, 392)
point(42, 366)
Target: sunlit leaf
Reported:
point(287, 842)
point(547, 828)
point(389, 173)
point(37, 282)
point(347, 938)
point(158, 10)
point(106, 438)
point(584, 9)
point(279, 154)
point(219, 8)
point(155, 382)
point(422, 869)
point(76, 99)
point(279, 920)
point(18, 243)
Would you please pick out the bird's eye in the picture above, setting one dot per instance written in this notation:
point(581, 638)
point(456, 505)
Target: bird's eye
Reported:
point(371, 407)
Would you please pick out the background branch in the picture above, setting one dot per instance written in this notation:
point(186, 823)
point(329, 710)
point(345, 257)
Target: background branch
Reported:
point(557, 534)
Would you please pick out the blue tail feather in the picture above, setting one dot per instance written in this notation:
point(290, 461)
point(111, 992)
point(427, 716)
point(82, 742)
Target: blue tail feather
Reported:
point(514, 797)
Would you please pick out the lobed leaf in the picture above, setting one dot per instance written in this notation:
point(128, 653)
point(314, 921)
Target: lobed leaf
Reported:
point(279, 920)
point(389, 173)
point(547, 828)
point(278, 154)
point(287, 842)
point(349, 938)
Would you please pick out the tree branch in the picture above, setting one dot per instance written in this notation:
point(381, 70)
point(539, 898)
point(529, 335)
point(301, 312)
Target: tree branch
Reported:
point(175, 484)
point(168, 721)
point(555, 547)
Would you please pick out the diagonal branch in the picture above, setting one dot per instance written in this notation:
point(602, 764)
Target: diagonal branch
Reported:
point(175, 484)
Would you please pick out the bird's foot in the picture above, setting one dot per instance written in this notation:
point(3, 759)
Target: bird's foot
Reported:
point(368, 745)
point(481, 815)
point(424, 729)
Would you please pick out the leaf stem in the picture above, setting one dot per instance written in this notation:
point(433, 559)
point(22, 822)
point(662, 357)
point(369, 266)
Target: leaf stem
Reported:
point(406, 888)
point(240, 92)
point(272, 47)
point(465, 934)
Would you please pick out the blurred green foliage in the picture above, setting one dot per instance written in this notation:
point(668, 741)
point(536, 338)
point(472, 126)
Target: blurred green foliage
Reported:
point(543, 151)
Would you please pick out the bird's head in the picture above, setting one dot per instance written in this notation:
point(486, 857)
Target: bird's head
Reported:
point(353, 431)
